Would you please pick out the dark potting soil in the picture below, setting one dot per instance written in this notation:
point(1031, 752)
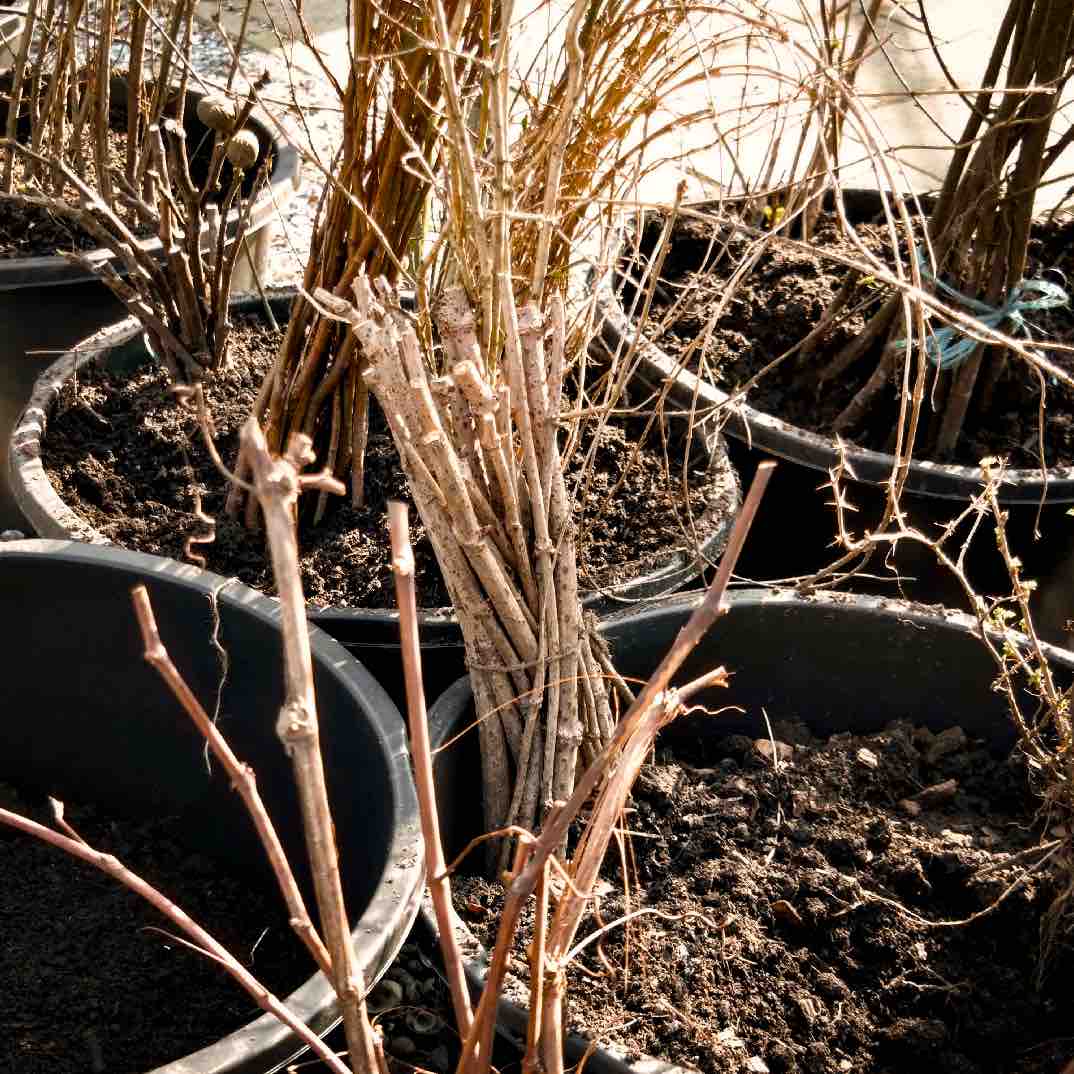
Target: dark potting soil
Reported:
point(32, 231)
point(127, 459)
point(35, 231)
point(783, 913)
point(90, 976)
point(785, 297)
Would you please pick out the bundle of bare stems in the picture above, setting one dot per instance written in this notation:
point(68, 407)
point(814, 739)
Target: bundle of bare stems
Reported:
point(480, 442)
point(979, 229)
point(576, 116)
point(66, 99)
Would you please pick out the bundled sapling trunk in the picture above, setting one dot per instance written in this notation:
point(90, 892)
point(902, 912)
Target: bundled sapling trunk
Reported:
point(480, 450)
point(471, 382)
point(975, 254)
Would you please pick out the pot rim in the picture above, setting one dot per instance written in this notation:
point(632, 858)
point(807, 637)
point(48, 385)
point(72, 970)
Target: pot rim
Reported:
point(815, 451)
point(39, 501)
point(54, 270)
point(382, 928)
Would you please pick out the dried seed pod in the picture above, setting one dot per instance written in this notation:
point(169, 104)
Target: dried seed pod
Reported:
point(217, 112)
point(242, 149)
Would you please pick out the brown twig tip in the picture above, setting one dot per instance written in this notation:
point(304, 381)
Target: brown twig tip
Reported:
point(147, 623)
point(399, 530)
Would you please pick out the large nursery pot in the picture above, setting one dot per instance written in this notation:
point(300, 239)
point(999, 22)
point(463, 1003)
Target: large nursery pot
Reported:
point(798, 504)
point(836, 662)
point(371, 634)
point(86, 718)
point(48, 304)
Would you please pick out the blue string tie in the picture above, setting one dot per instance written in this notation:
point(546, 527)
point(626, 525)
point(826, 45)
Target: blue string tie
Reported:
point(949, 346)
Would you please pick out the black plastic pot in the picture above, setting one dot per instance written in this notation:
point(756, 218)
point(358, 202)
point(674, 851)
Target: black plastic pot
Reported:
point(48, 304)
point(837, 662)
point(370, 634)
point(796, 526)
point(85, 716)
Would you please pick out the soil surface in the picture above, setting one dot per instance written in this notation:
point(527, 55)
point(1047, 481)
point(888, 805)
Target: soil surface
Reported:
point(90, 976)
point(785, 297)
point(127, 459)
point(35, 231)
point(787, 907)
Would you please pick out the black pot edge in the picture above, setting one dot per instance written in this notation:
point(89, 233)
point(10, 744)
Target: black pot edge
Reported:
point(39, 502)
point(443, 716)
point(391, 914)
point(801, 446)
point(285, 180)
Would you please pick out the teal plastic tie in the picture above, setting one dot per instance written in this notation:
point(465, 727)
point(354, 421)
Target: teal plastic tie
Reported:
point(949, 346)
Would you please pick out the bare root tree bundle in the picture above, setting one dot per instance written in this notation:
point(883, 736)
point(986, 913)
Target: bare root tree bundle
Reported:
point(482, 458)
point(471, 384)
point(370, 216)
point(564, 148)
point(978, 233)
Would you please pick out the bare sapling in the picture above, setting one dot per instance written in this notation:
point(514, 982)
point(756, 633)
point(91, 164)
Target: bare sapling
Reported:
point(472, 382)
point(521, 619)
point(1040, 707)
point(278, 481)
point(607, 781)
point(378, 217)
point(182, 297)
point(1038, 703)
point(974, 255)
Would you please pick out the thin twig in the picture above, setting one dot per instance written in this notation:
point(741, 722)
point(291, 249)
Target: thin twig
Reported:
point(242, 776)
point(421, 751)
